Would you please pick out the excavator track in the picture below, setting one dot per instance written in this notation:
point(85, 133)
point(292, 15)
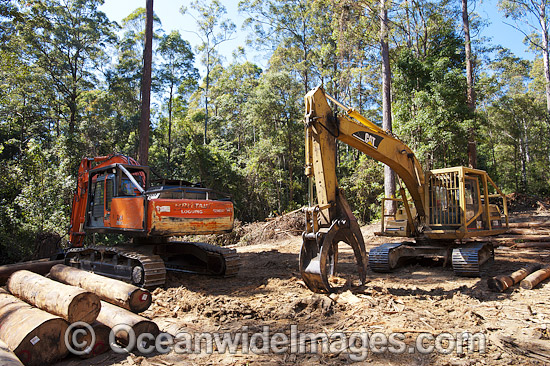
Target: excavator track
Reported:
point(219, 261)
point(149, 270)
point(379, 257)
point(467, 260)
point(141, 269)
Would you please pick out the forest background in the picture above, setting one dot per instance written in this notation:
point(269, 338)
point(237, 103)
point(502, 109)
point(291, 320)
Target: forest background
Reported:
point(70, 87)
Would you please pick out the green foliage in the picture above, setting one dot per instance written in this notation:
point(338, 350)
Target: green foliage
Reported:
point(70, 88)
point(363, 181)
point(431, 113)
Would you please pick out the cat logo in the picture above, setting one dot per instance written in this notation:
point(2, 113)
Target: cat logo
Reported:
point(369, 138)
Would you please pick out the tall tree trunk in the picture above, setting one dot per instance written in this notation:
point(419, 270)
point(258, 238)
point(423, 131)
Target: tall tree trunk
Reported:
point(170, 123)
point(206, 96)
point(146, 87)
point(470, 93)
point(389, 175)
point(544, 34)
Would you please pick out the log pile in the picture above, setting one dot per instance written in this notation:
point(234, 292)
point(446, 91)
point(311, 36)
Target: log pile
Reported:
point(71, 303)
point(534, 234)
point(501, 283)
point(116, 292)
point(33, 335)
point(36, 313)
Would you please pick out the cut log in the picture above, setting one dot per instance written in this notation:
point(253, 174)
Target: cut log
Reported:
point(35, 336)
point(534, 244)
point(7, 357)
point(41, 266)
point(529, 238)
point(525, 225)
point(112, 316)
point(528, 232)
point(535, 278)
point(83, 339)
point(116, 292)
point(71, 303)
point(501, 283)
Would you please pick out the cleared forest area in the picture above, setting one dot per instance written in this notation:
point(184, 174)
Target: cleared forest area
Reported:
point(415, 299)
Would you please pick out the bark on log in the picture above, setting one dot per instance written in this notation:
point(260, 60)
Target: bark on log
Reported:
point(528, 232)
point(81, 340)
point(524, 225)
point(543, 244)
point(501, 283)
point(71, 303)
point(113, 291)
point(35, 336)
point(41, 266)
point(7, 357)
point(520, 237)
point(112, 316)
point(535, 278)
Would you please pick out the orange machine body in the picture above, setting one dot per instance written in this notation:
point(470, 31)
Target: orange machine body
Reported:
point(115, 196)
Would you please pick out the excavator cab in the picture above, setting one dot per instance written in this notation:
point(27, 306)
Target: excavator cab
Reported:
point(457, 206)
point(116, 202)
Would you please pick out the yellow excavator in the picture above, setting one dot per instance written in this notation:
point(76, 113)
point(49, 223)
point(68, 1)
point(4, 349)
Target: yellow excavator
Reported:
point(443, 207)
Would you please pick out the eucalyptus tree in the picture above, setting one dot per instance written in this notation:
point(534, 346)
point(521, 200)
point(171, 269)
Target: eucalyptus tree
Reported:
point(233, 87)
point(470, 93)
point(286, 29)
point(176, 72)
point(67, 40)
point(144, 123)
point(213, 30)
point(429, 99)
point(531, 17)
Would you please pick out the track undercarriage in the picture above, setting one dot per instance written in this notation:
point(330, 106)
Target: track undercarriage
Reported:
point(146, 265)
point(319, 255)
point(466, 259)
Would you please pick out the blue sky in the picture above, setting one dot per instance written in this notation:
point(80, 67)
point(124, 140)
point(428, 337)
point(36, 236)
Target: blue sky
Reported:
point(172, 19)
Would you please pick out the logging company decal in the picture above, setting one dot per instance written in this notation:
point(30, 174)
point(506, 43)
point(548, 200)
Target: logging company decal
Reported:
point(369, 138)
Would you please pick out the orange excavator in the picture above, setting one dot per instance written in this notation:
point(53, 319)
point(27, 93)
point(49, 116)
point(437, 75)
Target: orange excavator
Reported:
point(115, 195)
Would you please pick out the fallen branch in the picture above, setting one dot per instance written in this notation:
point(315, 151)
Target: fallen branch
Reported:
point(533, 244)
point(537, 349)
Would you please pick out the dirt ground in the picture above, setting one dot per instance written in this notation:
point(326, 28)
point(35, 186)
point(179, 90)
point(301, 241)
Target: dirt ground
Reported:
point(416, 299)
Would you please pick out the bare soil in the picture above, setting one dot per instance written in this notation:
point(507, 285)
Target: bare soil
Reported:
point(414, 299)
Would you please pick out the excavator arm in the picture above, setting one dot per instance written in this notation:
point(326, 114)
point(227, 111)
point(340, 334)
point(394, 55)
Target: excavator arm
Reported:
point(331, 220)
